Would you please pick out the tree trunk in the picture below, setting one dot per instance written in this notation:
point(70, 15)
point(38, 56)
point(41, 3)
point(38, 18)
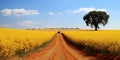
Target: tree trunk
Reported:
point(95, 28)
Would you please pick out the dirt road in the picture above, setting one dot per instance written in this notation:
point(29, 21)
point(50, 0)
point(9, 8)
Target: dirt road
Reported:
point(59, 50)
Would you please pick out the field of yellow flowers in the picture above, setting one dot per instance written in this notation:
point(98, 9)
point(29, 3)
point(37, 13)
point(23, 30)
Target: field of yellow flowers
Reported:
point(106, 41)
point(13, 41)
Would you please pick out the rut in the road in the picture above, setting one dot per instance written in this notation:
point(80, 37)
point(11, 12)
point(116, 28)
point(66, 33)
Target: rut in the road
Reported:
point(59, 50)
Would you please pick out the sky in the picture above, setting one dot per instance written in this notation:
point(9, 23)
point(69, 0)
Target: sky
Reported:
point(24, 14)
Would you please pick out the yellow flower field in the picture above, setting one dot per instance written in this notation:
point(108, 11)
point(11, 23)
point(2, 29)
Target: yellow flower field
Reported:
point(102, 40)
point(15, 41)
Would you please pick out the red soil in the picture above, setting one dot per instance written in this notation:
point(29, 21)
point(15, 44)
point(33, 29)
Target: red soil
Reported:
point(59, 50)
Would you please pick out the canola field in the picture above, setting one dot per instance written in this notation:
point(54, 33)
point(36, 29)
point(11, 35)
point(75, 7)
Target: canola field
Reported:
point(22, 41)
point(106, 41)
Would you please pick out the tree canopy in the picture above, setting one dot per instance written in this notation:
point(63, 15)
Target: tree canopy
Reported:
point(94, 18)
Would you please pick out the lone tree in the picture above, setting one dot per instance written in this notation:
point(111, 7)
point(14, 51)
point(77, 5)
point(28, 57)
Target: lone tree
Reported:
point(94, 18)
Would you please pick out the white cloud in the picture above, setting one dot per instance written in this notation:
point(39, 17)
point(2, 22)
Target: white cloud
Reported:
point(87, 10)
point(18, 12)
point(51, 13)
point(59, 13)
point(28, 23)
point(55, 13)
point(83, 10)
point(101, 9)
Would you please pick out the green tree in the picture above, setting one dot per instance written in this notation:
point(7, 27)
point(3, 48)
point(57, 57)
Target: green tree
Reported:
point(94, 18)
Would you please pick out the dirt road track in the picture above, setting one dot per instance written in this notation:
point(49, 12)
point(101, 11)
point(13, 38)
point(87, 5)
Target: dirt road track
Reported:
point(59, 50)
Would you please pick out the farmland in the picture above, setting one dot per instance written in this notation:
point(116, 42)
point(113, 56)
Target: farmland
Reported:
point(103, 41)
point(13, 41)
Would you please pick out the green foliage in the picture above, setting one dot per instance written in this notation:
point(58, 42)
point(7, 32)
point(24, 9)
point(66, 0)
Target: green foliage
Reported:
point(94, 18)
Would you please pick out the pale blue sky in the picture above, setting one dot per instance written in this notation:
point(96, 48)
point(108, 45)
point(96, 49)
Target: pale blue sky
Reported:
point(55, 13)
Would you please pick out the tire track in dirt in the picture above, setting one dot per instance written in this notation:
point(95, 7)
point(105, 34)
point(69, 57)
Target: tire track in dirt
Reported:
point(59, 50)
